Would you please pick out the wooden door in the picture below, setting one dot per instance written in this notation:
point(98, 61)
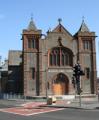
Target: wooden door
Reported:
point(59, 88)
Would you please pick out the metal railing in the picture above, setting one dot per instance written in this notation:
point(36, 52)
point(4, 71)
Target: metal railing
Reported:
point(11, 96)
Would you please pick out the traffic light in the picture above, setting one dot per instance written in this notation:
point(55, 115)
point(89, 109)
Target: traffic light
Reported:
point(77, 72)
point(82, 72)
point(75, 69)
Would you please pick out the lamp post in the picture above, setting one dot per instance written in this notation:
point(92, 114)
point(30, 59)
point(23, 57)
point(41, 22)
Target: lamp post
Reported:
point(46, 85)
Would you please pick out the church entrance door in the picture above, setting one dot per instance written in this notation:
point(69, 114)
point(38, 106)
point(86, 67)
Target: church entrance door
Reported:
point(60, 84)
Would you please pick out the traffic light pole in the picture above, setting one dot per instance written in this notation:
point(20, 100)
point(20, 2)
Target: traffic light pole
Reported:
point(78, 89)
point(80, 100)
point(80, 94)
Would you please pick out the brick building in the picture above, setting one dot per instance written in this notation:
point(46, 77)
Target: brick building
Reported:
point(3, 77)
point(11, 79)
point(14, 83)
point(48, 60)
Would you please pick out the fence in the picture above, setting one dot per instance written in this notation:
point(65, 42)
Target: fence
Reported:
point(11, 96)
point(7, 96)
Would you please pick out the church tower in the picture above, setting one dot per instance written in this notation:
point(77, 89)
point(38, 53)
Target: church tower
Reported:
point(86, 55)
point(31, 59)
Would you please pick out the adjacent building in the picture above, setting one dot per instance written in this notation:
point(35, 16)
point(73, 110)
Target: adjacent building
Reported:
point(15, 72)
point(3, 77)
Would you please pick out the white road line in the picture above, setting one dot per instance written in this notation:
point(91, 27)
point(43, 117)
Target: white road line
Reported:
point(44, 112)
point(33, 104)
point(13, 112)
point(3, 110)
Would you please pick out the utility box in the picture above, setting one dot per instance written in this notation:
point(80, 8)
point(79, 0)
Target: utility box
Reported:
point(51, 100)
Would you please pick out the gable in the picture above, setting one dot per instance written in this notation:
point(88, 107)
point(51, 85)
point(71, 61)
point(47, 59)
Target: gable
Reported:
point(61, 29)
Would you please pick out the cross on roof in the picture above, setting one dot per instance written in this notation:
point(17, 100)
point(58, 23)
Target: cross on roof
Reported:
point(59, 20)
point(83, 18)
point(31, 16)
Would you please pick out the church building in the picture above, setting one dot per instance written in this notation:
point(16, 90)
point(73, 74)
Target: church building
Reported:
point(48, 60)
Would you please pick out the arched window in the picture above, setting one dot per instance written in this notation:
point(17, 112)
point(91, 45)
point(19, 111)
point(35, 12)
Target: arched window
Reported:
point(67, 59)
point(60, 56)
point(51, 59)
point(54, 57)
point(32, 43)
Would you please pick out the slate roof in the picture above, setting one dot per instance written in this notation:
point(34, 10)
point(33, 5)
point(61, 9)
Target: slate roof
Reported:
point(32, 25)
point(60, 28)
point(14, 57)
point(83, 27)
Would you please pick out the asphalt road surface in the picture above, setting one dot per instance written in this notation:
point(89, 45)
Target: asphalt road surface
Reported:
point(65, 114)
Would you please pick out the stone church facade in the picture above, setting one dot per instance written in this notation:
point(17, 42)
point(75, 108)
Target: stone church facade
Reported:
point(48, 60)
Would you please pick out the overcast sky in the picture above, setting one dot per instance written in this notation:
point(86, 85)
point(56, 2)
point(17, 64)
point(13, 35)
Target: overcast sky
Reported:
point(15, 16)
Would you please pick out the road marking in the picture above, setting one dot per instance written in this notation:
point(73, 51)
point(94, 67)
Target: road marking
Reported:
point(28, 112)
point(33, 104)
point(46, 111)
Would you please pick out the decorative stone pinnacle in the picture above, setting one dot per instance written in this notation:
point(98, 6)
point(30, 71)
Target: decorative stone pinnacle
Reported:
point(31, 16)
point(83, 18)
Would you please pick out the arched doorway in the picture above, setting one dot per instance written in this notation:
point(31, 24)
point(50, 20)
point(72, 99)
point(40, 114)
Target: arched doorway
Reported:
point(60, 84)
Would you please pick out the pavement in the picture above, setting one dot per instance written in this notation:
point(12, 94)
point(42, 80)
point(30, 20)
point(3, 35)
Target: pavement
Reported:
point(27, 108)
point(78, 105)
point(83, 103)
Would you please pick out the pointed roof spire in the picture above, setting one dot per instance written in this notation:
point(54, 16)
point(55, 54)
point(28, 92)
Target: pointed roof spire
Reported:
point(83, 19)
point(31, 25)
point(83, 27)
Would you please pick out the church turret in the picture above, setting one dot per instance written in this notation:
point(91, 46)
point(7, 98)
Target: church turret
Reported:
point(83, 27)
point(32, 25)
point(87, 56)
point(31, 49)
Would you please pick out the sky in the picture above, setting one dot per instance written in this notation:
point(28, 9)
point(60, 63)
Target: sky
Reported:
point(15, 16)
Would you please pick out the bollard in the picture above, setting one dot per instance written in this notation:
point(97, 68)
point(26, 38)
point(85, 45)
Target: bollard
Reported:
point(53, 100)
point(49, 100)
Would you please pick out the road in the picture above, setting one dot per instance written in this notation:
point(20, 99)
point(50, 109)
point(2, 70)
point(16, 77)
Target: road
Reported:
point(71, 114)
point(65, 114)
point(9, 110)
